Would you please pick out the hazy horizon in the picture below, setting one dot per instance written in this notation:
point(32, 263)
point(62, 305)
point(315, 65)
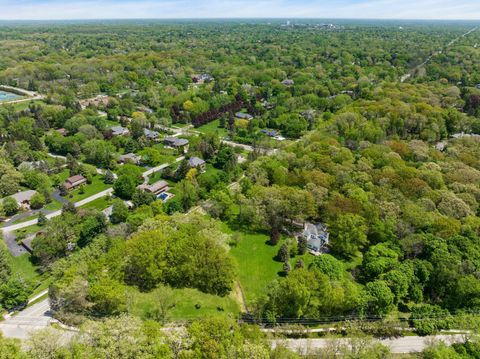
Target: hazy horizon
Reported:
point(48, 10)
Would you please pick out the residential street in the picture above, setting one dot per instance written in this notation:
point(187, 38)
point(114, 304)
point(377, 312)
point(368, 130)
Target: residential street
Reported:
point(413, 344)
point(32, 222)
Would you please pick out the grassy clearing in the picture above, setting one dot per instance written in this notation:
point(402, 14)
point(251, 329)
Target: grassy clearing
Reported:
point(28, 230)
point(23, 266)
point(212, 128)
point(20, 106)
point(53, 206)
point(25, 219)
point(257, 267)
point(257, 264)
point(99, 204)
point(186, 301)
point(88, 190)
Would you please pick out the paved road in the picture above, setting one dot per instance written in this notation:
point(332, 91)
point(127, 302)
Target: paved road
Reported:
point(151, 171)
point(36, 317)
point(83, 202)
point(411, 344)
point(249, 148)
point(429, 58)
point(109, 191)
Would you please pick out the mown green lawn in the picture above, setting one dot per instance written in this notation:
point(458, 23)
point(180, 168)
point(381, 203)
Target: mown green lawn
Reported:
point(24, 267)
point(257, 267)
point(20, 106)
point(53, 206)
point(99, 204)
point(212, 128)
point(21, 265)
point(185, 304)
point(96, 186)
point(28, 230)
point(257, 264)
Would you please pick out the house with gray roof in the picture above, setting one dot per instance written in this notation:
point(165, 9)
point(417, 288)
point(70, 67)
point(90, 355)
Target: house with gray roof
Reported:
point(178, 143)
point(151, 135)
point(317, 237)
point(129, 158)
point(23, 198)
point(119, 131)
point(243, 116)
point(198, 163)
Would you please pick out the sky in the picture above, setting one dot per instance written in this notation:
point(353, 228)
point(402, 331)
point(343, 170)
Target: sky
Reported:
point(168, 9)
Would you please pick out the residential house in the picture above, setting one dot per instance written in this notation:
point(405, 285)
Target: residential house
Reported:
point(317, 237)
point(74, 182)
point(202, 78)
point(157, 188)
point(97, 101)
point(180, 144)
point(198, 163)
point(243, 116)
point(23, 198)
point(62, 131)
point(288, 82)
point(36, 165)
point(151, 135)
point(269, 133)
point(119, 131)
point(129, 158)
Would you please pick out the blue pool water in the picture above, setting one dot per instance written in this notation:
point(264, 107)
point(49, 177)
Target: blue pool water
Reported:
point(8, 96)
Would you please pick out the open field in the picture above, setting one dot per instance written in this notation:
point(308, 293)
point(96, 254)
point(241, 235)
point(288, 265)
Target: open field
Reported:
point(188, 304)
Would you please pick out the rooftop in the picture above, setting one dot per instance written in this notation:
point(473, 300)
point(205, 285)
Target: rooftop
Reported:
point(24, 196)
point(195, 162)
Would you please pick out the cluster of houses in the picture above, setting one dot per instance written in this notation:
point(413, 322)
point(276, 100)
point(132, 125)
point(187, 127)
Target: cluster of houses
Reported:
point(97, 101)
point(202, 78)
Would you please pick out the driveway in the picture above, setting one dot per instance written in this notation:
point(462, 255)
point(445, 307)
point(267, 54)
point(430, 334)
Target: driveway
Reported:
point(36, 317)
point(11, 241)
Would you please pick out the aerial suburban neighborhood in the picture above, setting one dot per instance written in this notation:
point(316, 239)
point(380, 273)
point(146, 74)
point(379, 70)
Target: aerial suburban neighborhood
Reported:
point(238, 188)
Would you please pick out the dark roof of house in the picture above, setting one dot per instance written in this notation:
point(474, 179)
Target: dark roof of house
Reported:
point(76, 178)
point(118, 130)
point(150, 133)
point(129, 157)
point(176, 142)
point(156, 187)
point(243, 116)
point(271, 133)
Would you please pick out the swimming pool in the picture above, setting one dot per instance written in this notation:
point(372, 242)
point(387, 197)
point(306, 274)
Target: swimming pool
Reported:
point(8, 96)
